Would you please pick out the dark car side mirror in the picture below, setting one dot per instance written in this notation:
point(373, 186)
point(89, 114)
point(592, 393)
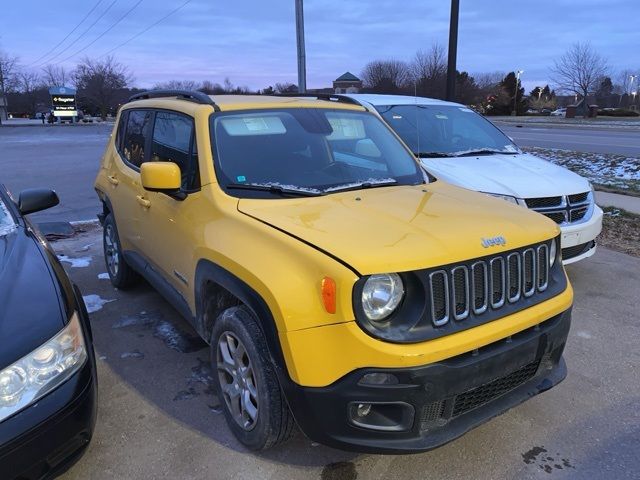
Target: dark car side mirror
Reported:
point(36, 199)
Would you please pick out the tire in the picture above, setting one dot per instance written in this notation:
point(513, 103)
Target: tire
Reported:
point(120, 273)
point(236, 330)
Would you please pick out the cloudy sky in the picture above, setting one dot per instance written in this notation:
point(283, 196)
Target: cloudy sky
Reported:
point(252, 42)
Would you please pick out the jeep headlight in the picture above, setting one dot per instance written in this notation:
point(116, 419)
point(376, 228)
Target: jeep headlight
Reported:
point(381, 295)
point(39, 372)
point(553, 251)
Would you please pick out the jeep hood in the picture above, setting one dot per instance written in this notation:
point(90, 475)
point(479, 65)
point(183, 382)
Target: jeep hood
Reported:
point(519, 175)
point(401, 228)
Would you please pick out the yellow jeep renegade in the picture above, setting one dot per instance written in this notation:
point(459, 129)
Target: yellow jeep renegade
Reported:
point(339, 286)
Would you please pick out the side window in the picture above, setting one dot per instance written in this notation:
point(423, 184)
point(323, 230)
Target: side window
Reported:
point(135, 136)
point(173, 141)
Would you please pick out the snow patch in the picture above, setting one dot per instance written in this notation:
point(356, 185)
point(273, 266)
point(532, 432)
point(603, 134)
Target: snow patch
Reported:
point(75, 262)
point(583, 334)
point(103, 276)
point(95, 302)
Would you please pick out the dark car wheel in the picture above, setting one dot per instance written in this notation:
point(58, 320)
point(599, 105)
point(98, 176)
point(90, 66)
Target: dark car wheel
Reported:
point(120, 273)
point(253, 404)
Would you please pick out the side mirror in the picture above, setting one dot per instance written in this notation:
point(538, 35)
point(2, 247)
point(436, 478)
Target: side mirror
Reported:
point(162, 177)
point(36, 199)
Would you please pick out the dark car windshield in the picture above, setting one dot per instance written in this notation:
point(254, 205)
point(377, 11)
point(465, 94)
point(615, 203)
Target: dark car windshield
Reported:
point(7, 224)
point(445, 130)
point(304, 151)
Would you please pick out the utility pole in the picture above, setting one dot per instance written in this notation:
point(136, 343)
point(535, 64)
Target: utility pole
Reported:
point(515, 96)
point(302, 57)
point(453, 51)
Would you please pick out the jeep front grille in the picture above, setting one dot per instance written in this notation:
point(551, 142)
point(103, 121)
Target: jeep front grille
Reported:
point(564, 209)
point(488, 284)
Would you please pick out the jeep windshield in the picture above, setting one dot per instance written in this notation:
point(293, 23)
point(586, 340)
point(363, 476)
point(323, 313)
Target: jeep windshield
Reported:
point(307, 152)
point(433, 131)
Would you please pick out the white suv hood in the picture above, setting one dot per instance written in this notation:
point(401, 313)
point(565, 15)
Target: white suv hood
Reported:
point(520, 175)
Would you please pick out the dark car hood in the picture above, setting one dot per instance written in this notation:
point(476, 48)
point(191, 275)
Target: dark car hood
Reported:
point(30, 310)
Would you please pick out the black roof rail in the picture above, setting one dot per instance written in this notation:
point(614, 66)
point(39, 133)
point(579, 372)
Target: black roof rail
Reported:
point(330, 97)
point(192, 96)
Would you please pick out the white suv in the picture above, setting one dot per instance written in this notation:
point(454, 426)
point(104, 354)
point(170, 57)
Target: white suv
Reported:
point(461, 147)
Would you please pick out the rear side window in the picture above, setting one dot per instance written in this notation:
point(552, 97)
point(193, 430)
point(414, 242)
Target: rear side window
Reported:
point(136, 133)
point(173, 141)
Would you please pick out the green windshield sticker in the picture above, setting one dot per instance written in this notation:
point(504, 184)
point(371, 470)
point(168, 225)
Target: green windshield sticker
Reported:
point(241, 178)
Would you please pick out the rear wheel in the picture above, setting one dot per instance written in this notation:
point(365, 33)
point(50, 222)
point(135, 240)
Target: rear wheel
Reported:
point(120, 273)
point(254, 406)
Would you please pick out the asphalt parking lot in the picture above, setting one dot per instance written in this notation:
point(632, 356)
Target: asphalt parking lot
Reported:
point(158, 419)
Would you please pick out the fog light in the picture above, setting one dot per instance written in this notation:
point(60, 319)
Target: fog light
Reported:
point(379, 378)
point(386, 417)
point(363, 409)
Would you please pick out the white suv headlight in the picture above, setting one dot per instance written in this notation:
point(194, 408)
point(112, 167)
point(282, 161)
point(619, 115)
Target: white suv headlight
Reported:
point(42, 370)
point(508, 198)
point(381, 295)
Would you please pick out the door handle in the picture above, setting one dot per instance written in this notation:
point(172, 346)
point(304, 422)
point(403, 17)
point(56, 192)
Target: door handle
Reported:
point(113, 180)
point(143, 201)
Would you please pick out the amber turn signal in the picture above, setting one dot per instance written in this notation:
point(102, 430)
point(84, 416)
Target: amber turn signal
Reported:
point(329, 294)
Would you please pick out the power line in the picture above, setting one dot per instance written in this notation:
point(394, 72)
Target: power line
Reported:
point(83, 33)
point(146, 29)
point(68, 34)
point(103, 33)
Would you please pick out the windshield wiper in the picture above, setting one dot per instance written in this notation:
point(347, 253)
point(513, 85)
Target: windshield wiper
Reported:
point(479, 151)
point(289, 190)
point(432, 154)
point(360, 186)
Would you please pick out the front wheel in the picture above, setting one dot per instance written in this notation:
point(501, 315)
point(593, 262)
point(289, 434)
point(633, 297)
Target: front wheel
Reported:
point(254, 406)
point(120, 273)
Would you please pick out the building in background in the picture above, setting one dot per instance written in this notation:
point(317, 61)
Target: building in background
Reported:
point(3, 108)
point(347, 83)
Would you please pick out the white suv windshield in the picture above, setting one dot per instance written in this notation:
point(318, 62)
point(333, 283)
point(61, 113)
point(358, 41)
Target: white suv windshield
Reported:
point(7, 224)
point(307, 151)
point(445, 130)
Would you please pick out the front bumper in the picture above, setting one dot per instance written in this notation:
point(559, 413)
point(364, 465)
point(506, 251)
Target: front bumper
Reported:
point(46, 438)
point(445, 399)
point(581, 234)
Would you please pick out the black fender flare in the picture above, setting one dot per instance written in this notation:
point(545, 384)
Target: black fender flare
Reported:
point(207, 271)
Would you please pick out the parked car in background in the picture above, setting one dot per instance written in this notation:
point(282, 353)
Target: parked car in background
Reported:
point(559, 112)
point(47, 365)
point(338, 286)
point(461, 147)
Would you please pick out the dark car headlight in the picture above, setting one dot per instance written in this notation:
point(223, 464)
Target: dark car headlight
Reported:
point(36, 374)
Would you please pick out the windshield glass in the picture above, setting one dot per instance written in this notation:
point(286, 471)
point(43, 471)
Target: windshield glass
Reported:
point(307, 151)
point(7, 224)
point(445, 130)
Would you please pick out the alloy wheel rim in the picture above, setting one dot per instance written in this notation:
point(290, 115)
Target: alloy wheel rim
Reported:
point(111, 252)
point(237, 380)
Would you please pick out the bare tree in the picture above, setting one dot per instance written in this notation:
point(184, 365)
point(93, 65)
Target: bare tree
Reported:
point(55, 76)
point(286, 87)
point(177, 85)
point(429, 71)
point(8, 73)
point(579, 71)
point(211, 88)
point(100, 82)
point(8, 79)
point(29, 84)
point(386, 76)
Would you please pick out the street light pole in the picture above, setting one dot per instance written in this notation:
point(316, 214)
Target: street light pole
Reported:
point(515, 95)
point(302, 58)
point(453, 50)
